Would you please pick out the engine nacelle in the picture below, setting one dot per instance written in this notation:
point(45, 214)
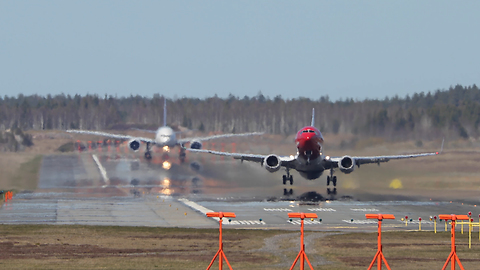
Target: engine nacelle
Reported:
point(346, 164)
point(134, 144)
point(272, 163)
point(196, 145)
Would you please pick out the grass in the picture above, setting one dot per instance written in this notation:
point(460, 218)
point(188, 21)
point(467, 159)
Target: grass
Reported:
point(26, 177)
point(19, 171)
point(110, 247)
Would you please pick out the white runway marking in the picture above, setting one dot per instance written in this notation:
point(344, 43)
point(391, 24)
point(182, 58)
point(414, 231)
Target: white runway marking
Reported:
point(196, 206)
point(364, 209)
point(306, 222)
point(277, 209)
point(225, 221)
point(245, 222)
point(423, 222)
point(355, 221)
point(103, 172)
point(322, 209)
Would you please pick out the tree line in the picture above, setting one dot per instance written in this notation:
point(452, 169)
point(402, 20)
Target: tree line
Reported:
point(452, 113)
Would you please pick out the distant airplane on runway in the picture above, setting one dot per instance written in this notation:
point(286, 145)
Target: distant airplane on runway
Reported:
point(310, 161)
point(164, 137)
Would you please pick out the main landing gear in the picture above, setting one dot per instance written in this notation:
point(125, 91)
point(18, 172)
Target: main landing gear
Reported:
point(332, 179)
point(148, 154)
point(288, 177)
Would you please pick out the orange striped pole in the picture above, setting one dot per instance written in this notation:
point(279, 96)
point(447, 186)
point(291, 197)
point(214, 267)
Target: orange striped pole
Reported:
point(453, 253)
point(302, 255)
point(379, 255)
point(220, 253)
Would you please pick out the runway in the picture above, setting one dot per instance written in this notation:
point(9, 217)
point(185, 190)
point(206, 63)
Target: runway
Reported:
point(125, 190)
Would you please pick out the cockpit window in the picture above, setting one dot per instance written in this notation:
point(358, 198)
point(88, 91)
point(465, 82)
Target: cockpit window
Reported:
point(308, 131)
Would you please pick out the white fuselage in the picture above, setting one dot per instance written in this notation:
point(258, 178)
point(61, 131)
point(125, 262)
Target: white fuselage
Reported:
point(165, 136)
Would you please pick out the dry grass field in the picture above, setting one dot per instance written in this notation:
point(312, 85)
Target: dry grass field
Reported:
point(103, 247)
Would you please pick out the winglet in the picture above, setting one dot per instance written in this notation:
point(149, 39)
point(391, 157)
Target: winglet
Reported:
point(164, 111)
point(313, 117)
point(441, 149)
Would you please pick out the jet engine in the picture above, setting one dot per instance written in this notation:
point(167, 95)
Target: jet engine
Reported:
point(272, 163)
point(134, 144)
point(346, 164)
point(195, 145)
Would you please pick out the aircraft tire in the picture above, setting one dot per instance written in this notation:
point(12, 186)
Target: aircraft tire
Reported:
point(328, 180)
point(285, 180)
point(334, 180)
point(291, 179)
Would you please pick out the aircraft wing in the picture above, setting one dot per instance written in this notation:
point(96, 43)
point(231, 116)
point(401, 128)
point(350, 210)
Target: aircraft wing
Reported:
point(199, 139)
point(110, 135)
point(381, 159)
point(287, 161)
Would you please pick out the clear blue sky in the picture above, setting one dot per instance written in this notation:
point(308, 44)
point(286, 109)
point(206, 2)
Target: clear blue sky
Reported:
point(344, 49)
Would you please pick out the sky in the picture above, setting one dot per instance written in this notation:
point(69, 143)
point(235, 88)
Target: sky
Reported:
point(343, 49)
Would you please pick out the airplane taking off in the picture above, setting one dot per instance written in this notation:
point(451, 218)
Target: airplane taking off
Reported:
point(310, 160)
point(164, 137)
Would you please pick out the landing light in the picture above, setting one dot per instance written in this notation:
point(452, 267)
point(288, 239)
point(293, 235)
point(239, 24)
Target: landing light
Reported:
point(166, 182)
point(166, 191)
point(166, 165)
point(166, 148)
point(327, 158)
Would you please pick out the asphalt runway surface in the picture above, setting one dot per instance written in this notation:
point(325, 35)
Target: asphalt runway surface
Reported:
point(123, 189)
